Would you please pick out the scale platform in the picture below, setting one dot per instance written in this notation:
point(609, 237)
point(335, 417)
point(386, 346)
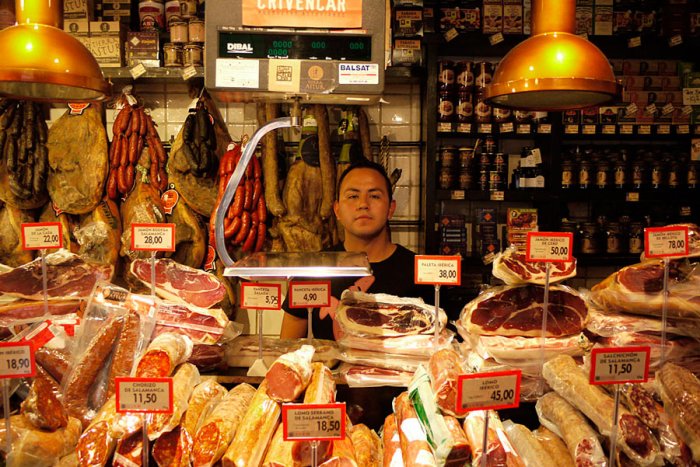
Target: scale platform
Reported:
point(317, 264)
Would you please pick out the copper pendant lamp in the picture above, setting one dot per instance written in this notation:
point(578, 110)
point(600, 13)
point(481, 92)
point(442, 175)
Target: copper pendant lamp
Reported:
point(43, 63)
point(554, 69)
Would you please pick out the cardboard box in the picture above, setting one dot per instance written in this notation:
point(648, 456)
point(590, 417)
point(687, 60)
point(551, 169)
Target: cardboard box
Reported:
point(77, 9)
point(408, 22)
point(589, 116)
point(493, 17)
point(603, 18)
point(143, 44)
point(108, 50)
point(608, 114)
point(407, 52)
point(527, 17)
point(107, 28)
point(77, 27)
point(512, 17)
point(584, 18)
point(116, 11)
point(522, 219)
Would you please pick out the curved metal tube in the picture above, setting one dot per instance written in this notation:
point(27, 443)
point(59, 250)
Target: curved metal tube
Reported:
point(248, 151)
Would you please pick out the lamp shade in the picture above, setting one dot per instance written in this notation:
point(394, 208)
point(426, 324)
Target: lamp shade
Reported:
point(554, 69)
point(42, 62)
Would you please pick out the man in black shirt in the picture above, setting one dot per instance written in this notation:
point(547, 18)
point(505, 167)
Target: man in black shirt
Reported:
point(363, 207)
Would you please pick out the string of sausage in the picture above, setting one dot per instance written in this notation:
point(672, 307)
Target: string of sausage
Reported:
point(131, 131)
point(245, 222)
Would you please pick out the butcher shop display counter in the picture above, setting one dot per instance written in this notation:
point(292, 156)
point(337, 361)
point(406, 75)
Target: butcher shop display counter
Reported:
point(318, 265)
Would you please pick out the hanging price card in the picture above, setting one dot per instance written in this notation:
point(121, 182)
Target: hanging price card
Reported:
point(552, 247)
point(488, 391)
point(662, 242)
point(16, 360)
point(149, 395)
point(617, 365)
point(42, 235)
point(438, 270)
point(153, 237)
point(315, 422)
point(309, 294)
point(256, 296)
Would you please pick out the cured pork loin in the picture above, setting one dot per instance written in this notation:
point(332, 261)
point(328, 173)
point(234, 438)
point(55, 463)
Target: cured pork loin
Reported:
point(391, 440)
point(557, 415)
point(517, 311)
point(555, 446)
point(368, 446)
point(680, 392)
point(499, 452)
point(525, 443)
point(178, 282)
point(415, 448)
point(68, 277)
point(568, 380)
point(186, 377)
point(512, 268)
point(443, 368)
point(288, 377)
point(638, 289)
point(383, 315)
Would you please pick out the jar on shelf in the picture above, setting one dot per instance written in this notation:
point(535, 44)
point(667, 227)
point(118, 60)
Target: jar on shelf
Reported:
point(193, 55)
point(446, 107)
point(571, 227)
point(496, 180)
point(446, 76)
point(584, 174)
point(635, 238)
point(483, 74)
point(482, 110)
point(447, 156)
point(692, 176)
point(674, 174)
point(465, 180)
point(567, 174)
point(501, 114)
point(499, 162)
point(465, 107)
point(466, 157)
point(172, 55)
point(445, 178)
point(620, 174)
point(638, 174)
point(483, 180)
point(464, 72)
point(178, 32)
point(657, 175)
point(602, 174)
point(195, 29)
point(590, 239)
point(614, 238)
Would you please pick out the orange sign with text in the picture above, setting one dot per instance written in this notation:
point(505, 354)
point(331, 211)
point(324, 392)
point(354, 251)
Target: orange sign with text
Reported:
point(335, 14)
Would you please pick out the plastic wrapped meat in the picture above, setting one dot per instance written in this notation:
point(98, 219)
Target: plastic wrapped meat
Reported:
point(289, 375)
point(243, 350)
point(513, 269)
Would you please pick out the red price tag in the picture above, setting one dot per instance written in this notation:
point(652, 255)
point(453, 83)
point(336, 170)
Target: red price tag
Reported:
point(257, 296)
point(438, 270)
point(488, 391)
point(42, 235)
point(147, 395)
point(313, 422)
point(549, 247)
point(16, 360)
point(309, 294)
point(617, 365)
point(664, 242)
point(153, 237)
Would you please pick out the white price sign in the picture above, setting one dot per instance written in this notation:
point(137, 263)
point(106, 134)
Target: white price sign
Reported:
point(149, 395)
point(438, 270)
point(153, 237)
point(315, 422)
point(309, 294)
point(552, 247)
point(488, 391)
point(617, 365)
point(42, 235)
point(16, 360)
point(662, 242)
point(257, 296)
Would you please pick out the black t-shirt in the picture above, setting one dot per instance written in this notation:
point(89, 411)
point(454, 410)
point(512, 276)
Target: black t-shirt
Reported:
point(392, 276)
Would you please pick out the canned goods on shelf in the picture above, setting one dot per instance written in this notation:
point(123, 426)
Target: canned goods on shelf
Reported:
point(446, 75)
point(172, 55)
point(465, 107)
point(445, 178)
point(178, 32)
point(483, 74)
point(446, 107)
point(196, 30)
point(188, 8)
point(193, 55)
point(447, 156)
point(464, 72)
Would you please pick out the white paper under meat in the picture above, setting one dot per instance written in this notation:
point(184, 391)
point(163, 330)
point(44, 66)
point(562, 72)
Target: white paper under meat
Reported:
point(512, 350)
point(610, 324)
point(361, 376)
point(243, 350)
point(510, 277)
point(422, 345)
point(381, 360)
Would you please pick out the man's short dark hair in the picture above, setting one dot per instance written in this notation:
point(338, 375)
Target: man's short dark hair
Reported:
point(366, 164)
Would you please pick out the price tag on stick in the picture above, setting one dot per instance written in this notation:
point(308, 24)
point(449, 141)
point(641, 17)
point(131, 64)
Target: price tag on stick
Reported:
point(617, 365)
point(551, 247)
point(153, 237)
point(147, 395)
point(488, 391)
point(664, 242)
point(42, 235)
point(258, 296)
point(313, 422)
point(308, 294)
point(438, 270)
point(16, 360)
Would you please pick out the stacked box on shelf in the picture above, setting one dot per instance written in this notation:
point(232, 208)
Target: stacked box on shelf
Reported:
point(493, 17)
point(77, 9)
point(107, 42)
point(143, 47)
point(407, 30)
point(114, 10)
point(453, 235)
point(466, 16)
point(520, 221)
point(488, 231)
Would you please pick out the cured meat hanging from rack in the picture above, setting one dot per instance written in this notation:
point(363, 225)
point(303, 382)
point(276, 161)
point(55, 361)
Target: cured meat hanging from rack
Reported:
point(78, 161)
point(517, 311)
point(11, 251)
point(24, 157)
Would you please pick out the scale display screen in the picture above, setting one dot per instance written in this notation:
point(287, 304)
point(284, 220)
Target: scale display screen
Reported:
point(295, 46)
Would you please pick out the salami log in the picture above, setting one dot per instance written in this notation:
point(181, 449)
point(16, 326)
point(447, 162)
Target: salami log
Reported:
point(321, 390)
point(444, 367)
point(32, 447)
point(95, 445)
point(205, 396)
point(527, 445)
point(125, 351)
point(555, 446)
point(255, 431)
point(343, 454)
point(498, 451)
point(393, 457)
point(220, 427)
point(163, 354)
point(290, 374)
point(414, 444)
point(461, 453)
point(184, 380)
point(267, 112)
point(173, 449)
point(368, 446)
point(128, 451)
point(326, 161)
point(42, 406)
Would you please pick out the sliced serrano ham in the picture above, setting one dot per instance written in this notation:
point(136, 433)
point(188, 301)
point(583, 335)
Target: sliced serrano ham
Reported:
point(383, 315)
point(178, 282)
point(513, 269)
point(517, 311)
point(289, 375)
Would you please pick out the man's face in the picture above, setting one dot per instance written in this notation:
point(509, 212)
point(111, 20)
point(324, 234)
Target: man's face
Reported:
point(363, 206)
